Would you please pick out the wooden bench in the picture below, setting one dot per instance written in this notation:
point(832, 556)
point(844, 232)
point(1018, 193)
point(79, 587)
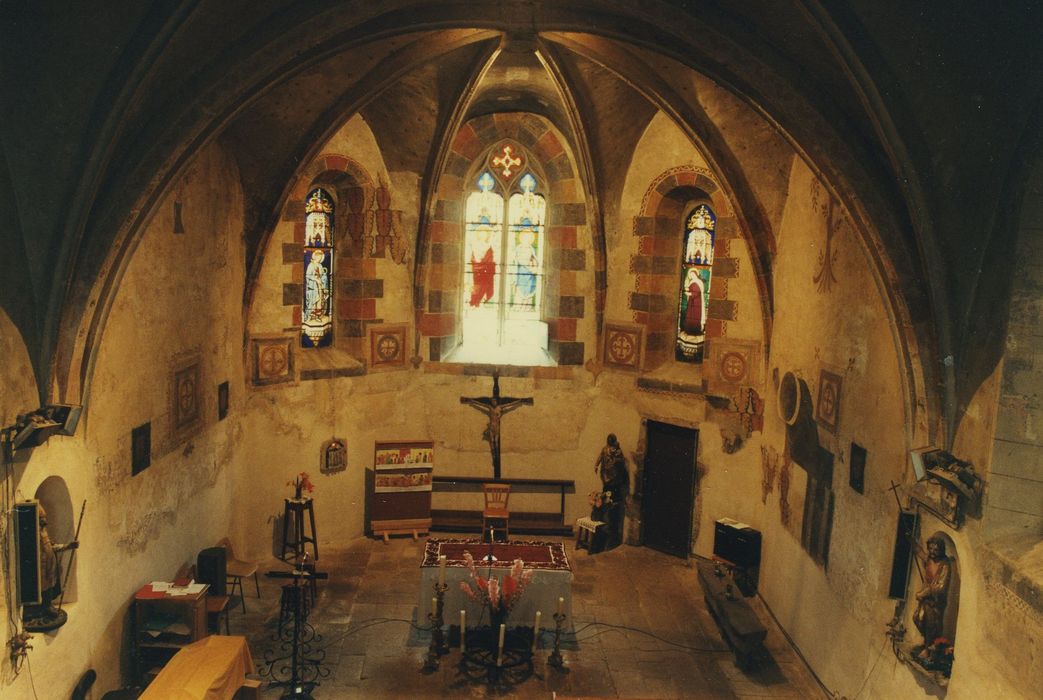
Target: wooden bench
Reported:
point(739, 625)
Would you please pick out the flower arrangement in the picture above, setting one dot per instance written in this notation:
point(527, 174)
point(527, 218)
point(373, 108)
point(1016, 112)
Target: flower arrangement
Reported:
point(599, 499)
point(301, 483)
point(500, 597)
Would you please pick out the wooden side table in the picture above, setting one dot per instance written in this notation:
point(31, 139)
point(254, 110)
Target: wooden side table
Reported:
point(293, 516)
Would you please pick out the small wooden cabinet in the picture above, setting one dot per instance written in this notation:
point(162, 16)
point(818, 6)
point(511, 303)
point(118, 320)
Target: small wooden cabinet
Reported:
point(164, 623)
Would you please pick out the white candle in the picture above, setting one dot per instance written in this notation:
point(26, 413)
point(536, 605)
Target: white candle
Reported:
point(561, 606)
point(463, 630)
point(441, 570)
point(434, 607)
point(536, 632)
point(499, 656)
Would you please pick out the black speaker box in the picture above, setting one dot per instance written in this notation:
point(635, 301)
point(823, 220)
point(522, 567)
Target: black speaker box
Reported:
point(27, 552)
point(903, 553)
point(210, 569)
point(740, 545)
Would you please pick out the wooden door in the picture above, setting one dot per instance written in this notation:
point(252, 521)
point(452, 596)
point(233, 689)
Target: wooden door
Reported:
point(669, 487)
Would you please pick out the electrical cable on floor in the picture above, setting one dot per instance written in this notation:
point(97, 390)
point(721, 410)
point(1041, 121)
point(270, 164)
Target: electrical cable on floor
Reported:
point(611, 627)
point(373, 622)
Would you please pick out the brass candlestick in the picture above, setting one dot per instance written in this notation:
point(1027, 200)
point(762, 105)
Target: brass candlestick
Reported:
point(555, 660)
point(438, 645)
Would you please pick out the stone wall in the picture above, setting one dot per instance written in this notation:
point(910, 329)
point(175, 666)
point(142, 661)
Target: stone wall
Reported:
point(179, 302)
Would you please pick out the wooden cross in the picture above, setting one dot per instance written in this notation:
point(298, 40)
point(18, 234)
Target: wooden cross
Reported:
point(494, 407)
point(507, 161)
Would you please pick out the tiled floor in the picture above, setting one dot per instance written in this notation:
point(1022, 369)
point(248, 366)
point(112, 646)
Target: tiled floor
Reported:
point(670, 648)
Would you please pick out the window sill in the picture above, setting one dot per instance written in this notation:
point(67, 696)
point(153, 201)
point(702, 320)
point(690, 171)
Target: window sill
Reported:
point(513, 355)
point(328, 363)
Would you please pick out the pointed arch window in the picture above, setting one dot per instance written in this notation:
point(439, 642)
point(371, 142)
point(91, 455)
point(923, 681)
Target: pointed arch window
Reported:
point(316, 307)
point(505, 219)
point(694, 297)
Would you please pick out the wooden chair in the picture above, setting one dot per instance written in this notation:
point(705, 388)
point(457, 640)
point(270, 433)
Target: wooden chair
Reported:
point(217, 599)
point(236, 570)
point(495, 510)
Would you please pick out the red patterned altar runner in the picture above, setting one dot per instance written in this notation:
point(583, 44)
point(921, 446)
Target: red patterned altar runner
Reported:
point(549, 556)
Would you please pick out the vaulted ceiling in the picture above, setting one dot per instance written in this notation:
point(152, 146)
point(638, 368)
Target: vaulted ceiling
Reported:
point(922, 116)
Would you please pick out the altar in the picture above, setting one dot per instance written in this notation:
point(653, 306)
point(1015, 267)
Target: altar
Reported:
point(551, 580)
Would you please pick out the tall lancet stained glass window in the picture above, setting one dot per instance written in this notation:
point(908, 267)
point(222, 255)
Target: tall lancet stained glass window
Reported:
point(503, 258)
point(696, 263)
point(316, 311)
point(525, 216)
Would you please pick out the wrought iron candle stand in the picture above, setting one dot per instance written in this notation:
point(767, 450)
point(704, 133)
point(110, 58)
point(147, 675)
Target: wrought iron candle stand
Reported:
point(482, 662)
point(438, 645)
point(555, 659)
point(297, 665)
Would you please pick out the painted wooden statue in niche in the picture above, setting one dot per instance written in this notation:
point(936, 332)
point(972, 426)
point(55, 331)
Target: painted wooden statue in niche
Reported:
point(696, 265)
point(936, 608)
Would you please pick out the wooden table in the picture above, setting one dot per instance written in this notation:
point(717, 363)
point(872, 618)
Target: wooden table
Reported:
point(540, 523)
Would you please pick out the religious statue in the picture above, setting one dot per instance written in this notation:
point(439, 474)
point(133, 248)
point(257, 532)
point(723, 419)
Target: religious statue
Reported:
point(495, 407)
point(612, 467)
point(43, 617)
point(933, 597)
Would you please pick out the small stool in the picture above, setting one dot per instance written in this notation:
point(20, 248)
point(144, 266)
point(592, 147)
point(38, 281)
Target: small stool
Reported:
point(293, 595)
point(586, 533)
point(293, 516)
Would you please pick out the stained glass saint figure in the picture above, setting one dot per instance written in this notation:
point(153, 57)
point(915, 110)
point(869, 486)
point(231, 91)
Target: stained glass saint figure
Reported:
point(316, 316)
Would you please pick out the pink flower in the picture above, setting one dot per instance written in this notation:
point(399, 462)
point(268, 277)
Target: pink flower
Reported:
point(494, 593)
point(468, 591)
point(516, 570)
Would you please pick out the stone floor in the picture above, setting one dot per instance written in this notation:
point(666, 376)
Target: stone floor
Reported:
point(641, 630)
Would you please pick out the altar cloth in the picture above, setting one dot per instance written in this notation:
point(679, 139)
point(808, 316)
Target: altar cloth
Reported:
point(551, 579)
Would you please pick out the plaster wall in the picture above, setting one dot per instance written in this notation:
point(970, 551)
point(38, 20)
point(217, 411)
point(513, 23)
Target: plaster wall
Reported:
point(830, 316)
point(179, 296)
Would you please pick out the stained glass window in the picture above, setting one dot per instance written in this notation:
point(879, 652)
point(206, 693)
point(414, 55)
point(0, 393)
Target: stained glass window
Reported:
point(503, 264)
point(526, 214)
point(694, 298)
point(316, 310)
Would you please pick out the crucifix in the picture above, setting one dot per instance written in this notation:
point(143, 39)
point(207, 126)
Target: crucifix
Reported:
point(494, 407)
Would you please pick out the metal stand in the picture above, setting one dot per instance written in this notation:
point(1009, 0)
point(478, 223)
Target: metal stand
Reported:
point(555, 660)
point(482, 662)
point(438, 646)
point(299, 665)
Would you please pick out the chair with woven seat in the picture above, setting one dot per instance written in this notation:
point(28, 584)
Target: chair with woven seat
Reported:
point(495, 511)
point(236, 570)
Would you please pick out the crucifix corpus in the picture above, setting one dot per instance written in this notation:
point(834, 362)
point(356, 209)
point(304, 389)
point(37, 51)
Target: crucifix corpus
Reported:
point(494, 407)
